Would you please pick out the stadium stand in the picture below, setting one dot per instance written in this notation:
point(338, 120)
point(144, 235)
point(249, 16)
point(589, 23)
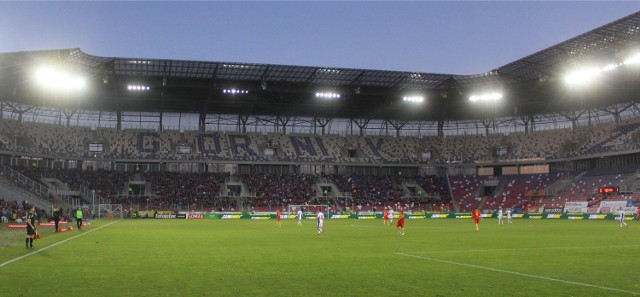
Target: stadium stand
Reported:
point(366, 192)
point(74, 141)
point(520, 191)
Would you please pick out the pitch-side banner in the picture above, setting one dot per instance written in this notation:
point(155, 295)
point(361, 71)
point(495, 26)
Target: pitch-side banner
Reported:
point(162, 214)
point(576, 209)
point(552, 210)
point(16, 226)
point(631, 214)
point(366, 216)
point(165, 216)
point(462, 215)
point(576, 204)
point(340, 216)
point(627, 210)
point(613, 204)
point(194, 216)
point(415, 217)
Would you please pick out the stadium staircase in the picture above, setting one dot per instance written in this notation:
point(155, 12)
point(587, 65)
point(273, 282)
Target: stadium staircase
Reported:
point(61, 192)
point(332, 192)
point(481, 203)
point(498, 187)
point(145, 187)
point(412, 190)
point(631, 183)
point(558, 186)
point(12, 188)
point(71, 197)
point(580, 176)
point(234, 187)
point(453, 199)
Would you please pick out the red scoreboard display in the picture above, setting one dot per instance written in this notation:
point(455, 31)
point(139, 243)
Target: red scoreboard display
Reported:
point(608, 190)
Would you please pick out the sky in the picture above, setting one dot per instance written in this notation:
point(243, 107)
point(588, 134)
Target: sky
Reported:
point(423, 36)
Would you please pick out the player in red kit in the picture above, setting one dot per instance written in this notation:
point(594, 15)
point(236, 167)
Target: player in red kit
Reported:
point(278, 215)
point(400, 224)
point(385, 217)
point(476, 218)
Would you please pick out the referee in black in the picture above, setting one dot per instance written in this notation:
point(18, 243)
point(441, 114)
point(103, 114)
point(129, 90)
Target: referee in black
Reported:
point(31, 227)
point(56, 219)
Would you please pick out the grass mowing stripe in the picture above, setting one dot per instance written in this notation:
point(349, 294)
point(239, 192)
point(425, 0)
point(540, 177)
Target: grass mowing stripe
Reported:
point(57, 243)
point(530, 249)
point(521, 274)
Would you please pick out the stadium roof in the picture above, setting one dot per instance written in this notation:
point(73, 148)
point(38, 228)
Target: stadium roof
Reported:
point(531, 84)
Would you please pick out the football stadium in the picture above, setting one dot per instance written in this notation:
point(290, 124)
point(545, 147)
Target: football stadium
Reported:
point(158, 177)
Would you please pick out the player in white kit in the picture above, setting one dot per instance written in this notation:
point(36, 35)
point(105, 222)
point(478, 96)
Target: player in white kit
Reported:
point(500, 221)
point(320, 222)
point(509, 215)
point(300, 216)
point(390, 215)
point(622, 222)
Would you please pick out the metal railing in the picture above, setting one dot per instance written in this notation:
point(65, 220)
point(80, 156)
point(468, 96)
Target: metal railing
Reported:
point(39, 191)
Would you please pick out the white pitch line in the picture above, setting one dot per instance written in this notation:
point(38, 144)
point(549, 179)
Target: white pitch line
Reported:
point(530, 249)
point(521, 274)
point(57, 243)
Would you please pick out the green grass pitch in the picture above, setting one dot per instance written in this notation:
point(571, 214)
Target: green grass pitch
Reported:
point(352, 258)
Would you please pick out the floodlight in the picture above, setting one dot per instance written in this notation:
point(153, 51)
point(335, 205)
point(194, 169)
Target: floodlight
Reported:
point(582, 76)
point(486, 97)
point(635, 59)
point(329, 70)
point(610, 67)
point(138, 88)
point(59, 80)
point(327, 95)
point(79, 83)
point(44, 75)
point(413, 99)
point(234, 91)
